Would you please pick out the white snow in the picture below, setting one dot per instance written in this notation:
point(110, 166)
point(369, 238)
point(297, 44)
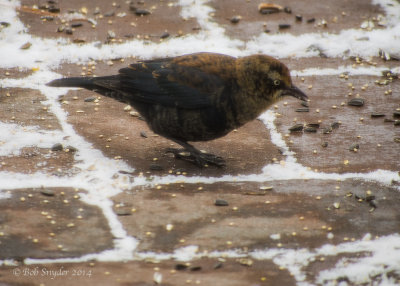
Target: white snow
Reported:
point(99, 174)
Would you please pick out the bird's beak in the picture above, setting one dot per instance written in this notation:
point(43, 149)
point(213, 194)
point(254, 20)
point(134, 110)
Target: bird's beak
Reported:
point(295, 92)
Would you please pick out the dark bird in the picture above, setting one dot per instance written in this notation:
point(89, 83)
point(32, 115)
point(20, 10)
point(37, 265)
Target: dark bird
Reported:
point(195, 97)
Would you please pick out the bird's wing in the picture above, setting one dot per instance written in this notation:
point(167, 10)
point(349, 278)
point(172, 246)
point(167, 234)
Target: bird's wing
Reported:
point(169, 82)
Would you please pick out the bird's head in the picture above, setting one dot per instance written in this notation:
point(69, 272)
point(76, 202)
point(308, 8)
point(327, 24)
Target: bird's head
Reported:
point(268, 78)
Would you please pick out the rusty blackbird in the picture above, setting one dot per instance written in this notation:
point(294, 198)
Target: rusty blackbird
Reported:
point(195, 97)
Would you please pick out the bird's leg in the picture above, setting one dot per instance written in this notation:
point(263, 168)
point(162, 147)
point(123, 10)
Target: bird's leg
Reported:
point(190, 153)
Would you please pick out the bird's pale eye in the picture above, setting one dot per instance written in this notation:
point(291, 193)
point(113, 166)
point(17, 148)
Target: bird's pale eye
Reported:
point(277, 82)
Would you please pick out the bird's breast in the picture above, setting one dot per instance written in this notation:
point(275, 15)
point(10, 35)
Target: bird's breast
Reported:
point(187, 124)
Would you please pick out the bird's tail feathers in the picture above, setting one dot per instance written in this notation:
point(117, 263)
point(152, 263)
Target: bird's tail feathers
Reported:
point(84, 82)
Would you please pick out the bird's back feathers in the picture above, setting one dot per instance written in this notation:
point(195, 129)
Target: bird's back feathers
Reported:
point(187, 82)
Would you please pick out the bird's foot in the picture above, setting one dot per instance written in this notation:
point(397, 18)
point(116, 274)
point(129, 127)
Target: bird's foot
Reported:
point(199, 158)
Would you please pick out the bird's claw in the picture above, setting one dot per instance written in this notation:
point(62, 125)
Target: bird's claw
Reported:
point(198, 158)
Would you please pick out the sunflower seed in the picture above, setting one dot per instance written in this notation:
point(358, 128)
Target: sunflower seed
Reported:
point(304, 109)
point(90, 99)
point(315, 125)
point(181, 266)
point(221, 203)
point(123, 211)
point(54, 9)
point(76, 25)
point(142, 12)
point(377, 114)
point(284, 26)
point(47, 192)
point(236, 19)
point(57, 147)
point(310, 129)
point(356, 102)
point(299, 18)
point(164, 35)
point(195, 268)
point(296, 127)
point(267, 8)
